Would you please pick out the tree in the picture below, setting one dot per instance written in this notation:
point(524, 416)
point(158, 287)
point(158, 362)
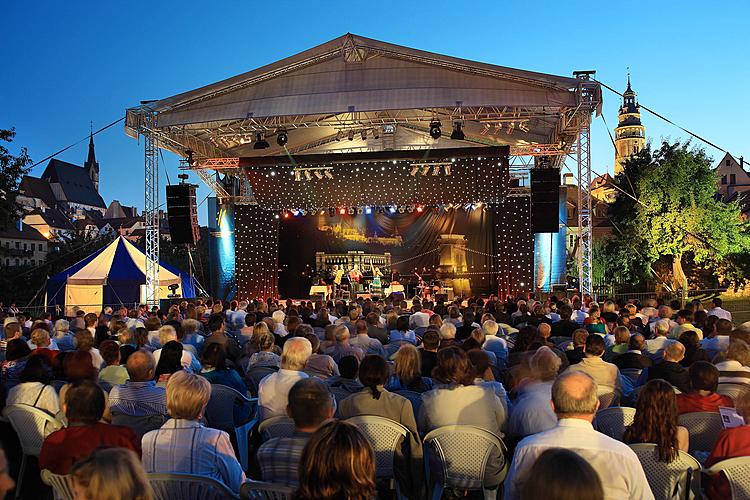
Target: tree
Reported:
point(671, 211)
point(12, 168)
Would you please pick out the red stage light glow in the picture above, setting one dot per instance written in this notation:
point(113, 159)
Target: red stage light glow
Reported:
point(342, 211)
point(419, 209)
point(286, 215)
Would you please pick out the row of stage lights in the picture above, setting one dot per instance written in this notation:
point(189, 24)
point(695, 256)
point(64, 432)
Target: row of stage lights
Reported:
point(368, 210)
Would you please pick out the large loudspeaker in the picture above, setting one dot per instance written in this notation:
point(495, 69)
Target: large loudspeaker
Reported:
point(182, 214)
point(545, 200)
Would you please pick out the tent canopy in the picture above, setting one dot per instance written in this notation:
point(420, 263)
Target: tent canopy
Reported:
point(354, 84)
point(114, 274)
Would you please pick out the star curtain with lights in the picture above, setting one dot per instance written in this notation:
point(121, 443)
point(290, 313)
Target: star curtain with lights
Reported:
point(257, 252)
point(515, 244)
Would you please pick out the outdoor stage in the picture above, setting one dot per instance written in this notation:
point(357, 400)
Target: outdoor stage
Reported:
point(363, 152)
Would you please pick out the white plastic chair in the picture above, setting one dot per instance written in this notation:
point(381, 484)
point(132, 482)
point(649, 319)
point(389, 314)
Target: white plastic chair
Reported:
point(737, 472)
point(456, 456)
point(220, 415)
point(184, 486)
point(276, 427)
point(704, 428)
point(62, 486)
point(613, 421)
point(732, 390)
point(607, 399)
point(385, 436)
point(257, 490)
point(668, 480)
point(32, 425)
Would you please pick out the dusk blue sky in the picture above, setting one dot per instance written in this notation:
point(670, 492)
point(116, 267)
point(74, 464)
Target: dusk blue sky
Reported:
point(68, 63)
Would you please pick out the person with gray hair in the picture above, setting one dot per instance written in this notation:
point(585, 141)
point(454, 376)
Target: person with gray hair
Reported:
point(493, 341)
point(63, 338)
point(653, 348)
point(273, 390)
point(532, 412)
point(575, 403)
point(342, 347)
point(669, 368)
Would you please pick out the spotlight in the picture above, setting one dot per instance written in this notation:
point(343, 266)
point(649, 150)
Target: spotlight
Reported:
point(381, 210)
point(414, 171)
point(286, 215)
point(342, 211)
point(322, 212)
point(425, 170)
point(328, 174)
point(419, 209)
point(260, 142)
point(368, 210)
point(350, 211)
point(409, 209)
point(401, 210)
point(435, 170)
point(318, 174)
point(457, 134)
point(375, 133)
point(435, 132)
point(339, 135)
point(307, 175)
point(511, 126)
point(447, 170)
point(392, 210)
point(297, 175)
point(359, 211)
point(331, 212)
point(351, 135)
point(282, 137)
point(364, 134)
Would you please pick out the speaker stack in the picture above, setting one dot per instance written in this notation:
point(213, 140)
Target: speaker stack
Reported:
point(182, 214)
point(545, 200)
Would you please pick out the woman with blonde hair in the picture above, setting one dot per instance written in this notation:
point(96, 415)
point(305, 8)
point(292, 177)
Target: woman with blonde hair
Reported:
point(337, 463)
point(407, 370)
point(111, 474)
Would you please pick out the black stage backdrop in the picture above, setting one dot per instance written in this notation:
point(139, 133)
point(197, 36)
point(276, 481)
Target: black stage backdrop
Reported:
point(411, 238)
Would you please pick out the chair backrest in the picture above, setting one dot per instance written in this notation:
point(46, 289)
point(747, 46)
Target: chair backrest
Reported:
point(256, 490)
point(737, 472)
point(704, 428)
point(106, 386)
point(665, 478)
point(140, 425)
point(415, 398)
point(32, 425)
point(182, 486)
point(631, 373)
point(385, 436)
point(62, 486)
point(607, 399)
point(613, 421)
point(255, 374)
point(732, 390)
point(459, 454)
point(220, 408)
point(276, 427)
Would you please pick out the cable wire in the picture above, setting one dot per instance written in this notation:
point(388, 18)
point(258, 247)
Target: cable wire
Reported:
point(77, 143)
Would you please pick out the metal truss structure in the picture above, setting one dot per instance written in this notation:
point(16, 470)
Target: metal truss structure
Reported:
point(151, 210)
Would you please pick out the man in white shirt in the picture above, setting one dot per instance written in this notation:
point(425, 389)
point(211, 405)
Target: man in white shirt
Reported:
point(684, 321)
point(653, 348)
point(720, 341)
point(532, 412)
point(575, 403)
point(273, 391)
point(717, 311)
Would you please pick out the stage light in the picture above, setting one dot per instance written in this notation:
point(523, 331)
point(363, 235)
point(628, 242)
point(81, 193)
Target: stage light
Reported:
point(331, 212)
point(359, 210)
point(342, 211)
point(447, 170)
point(425, 170)
point(282, 137)
point(414, 171)
point(435, 170)
point(351, 135)
point(368, 210)
point(322, 212)
point(392, 210)
point(457, 134)
point(286, 215)
point(375, 133)
point(276, 216)
point(350, 211)
point(401, 209)
point(364, 135)
point(328, 174)
point(318, 174)
point(511, 126)
point(303, 212)
point(260, 142)
point(307, 175)
point(339, 135)
point(409, 209)
point(273, 173)
point(381, 210)
point(435, 132)
point(419, 209)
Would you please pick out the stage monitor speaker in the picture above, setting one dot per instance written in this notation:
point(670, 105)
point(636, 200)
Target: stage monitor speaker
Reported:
point(182, 214)
point(545, 200)
point(441, 296)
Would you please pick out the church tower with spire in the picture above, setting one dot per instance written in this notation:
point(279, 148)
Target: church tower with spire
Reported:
point(630, 134)
point(91, 165)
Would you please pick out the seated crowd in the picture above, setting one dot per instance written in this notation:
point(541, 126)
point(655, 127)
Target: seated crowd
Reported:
point(128, 392)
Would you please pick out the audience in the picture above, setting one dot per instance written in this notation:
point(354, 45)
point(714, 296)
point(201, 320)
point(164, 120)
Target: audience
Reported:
point(310, 405)
point(342, 347)
point(670, 369)
point(407, 371)
point(575, 402)
point(113, 373)
point(337, 463)
point(704, 380)
point(564, 475)
point(633, 358)
point(83, 406)
point(139, 396)
point(34, 389)
point(111, 474)
point(274, 388)
point(532, 412)
point(606, 375)
point(183, 444)
point(735, 368)
point(347, 379)
point(732, 442)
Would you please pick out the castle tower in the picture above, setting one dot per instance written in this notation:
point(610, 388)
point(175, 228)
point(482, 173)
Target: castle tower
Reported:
point(630, 135)
point(91, 165)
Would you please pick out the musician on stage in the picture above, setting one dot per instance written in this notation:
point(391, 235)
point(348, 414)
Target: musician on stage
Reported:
point(355, 276)
point(377, 286)
point(337, 274)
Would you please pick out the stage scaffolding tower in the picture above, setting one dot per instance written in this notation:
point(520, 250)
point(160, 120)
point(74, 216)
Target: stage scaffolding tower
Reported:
point(588, 102)
point(151, 210)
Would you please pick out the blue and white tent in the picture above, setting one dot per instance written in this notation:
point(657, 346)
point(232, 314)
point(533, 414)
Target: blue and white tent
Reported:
point(113, 275)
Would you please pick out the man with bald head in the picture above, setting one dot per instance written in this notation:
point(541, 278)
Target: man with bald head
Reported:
point(574, 402)
point(139, 396)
